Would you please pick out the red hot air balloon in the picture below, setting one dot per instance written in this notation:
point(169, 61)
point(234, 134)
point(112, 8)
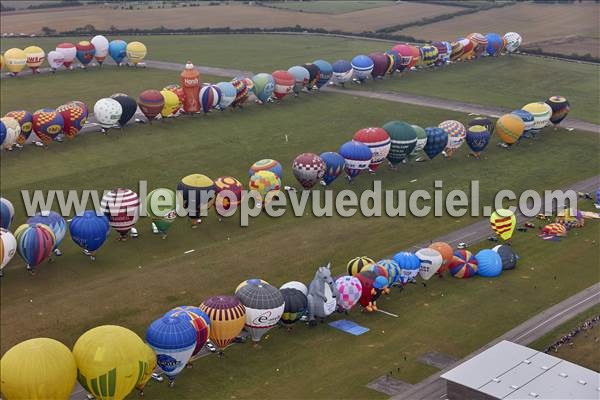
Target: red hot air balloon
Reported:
point(284, 83)
point(378, 140)
point(380, 64)
point(47, 124)
point(151, 103)
point(73, 118)
point(308, 168)
point(122, 208)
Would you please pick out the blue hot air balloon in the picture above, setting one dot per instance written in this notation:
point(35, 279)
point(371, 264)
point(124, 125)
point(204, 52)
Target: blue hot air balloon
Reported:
point(55, 221)
point(2, 132)
point(437, 139)
point(478, 137)
point(326, 72)
point(490, 263)
point(301, 77)
point(210, 96)
point(528, 120)
point(334, 165)
point(173, 339)
point(342, 72)
point(228, 93)
point(495, 44)
point(357, 157)
point(89, 231)
point(7, 213)
point(199, 320)
point(117, 50)
point(362, 66)
point(409, 265)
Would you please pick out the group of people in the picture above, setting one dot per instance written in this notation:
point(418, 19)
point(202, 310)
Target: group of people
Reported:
point(568, 338)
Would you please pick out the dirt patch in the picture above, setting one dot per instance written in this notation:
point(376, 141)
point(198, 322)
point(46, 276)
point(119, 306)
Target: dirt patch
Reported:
point(388, 385)
point(569, 45)
point(437, 360)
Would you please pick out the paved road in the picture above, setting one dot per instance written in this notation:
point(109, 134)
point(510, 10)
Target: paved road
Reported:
point(434, 387)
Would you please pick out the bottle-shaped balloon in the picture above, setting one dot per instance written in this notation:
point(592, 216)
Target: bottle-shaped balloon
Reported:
point(190, 82)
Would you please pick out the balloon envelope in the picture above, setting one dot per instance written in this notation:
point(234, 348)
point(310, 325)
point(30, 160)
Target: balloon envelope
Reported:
point(53, 220)
point(334, 165)
point(503, 223)
point(437, 140)
point(107, 112)
point(308, 169)
point(35, 243)
point(198, 319)
point(489, 263)
point(8, 247)
point(378, 141)
point(357, 157)
point(7, 213)
point(431, 261)
point(349, 291)
point(74, 118)
point(463, 264)
point(136, 52)
point(101, 44)
point(89, 231)
point(128, 107)
point(117, 50)
point(227, 318)
point(403, 139)
point(264, 306)
point(325, 72)
point(507, 255)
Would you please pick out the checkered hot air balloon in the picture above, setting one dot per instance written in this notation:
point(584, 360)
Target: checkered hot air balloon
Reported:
point(227, 317)
point(47, 124)
point(456, 135)
point(349, 291)
point(437, 139)
point(503, 223)
point(357, 157)
point(378, 140)
point(308, 169)
point(73, 118)
point(463, 264)
point(334, 165)
point(25, 119)
point(357, 264)
point(198, 319)
point(122, 208)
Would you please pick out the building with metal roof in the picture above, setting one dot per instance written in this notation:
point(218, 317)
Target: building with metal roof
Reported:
point(511, 371)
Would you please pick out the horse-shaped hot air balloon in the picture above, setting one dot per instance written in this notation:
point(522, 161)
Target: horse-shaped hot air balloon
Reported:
point(322, 295)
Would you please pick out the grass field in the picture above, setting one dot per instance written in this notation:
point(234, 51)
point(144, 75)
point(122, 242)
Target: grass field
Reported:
point(330, 7)
point(232, 15)
point(578, 19)
point(585, 350)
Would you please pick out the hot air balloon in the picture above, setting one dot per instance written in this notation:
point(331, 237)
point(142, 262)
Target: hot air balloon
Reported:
point(431, 261)
point(35, 57)
point(503, 223)
point(284, 83)
point(82, 105)
point(478, 138)
point(342, 72)
point(107, 112)
point(325, 72)
point(15, 60)
point(334, 165)
point(35, 243)
point(509, 128)
point(210, 96)
point(443, 52)
point(266, 165)
point(468, 48)
point(393, 270)
point(541, 114)
point(357, 264)
point(39, 368)
point(251, 281)
point(308, 169)
point(409, 56)
point(198, 195)
point(507, 255)
point(227, 94)
point(457, 51)
point(513, 41)
point(447, 253)
point(2, 132)
point(429, 55)
point(437, 140)
point(7, 213)
point(73, 118)
point(100, 43)
point(495, 44)
point(554, 229)
point(479, 43)
point(228, 191)
point(313, 75)
point(85, 52)
point(489, 263)
point(264, 306)
point(128, 107)
point(483, 121)
point(190, 83)
point(172, 103)
point(295, 285)
point(161, 207)
point(403, 139)
point(296, 305)
point(409, 265)
point(122, 208)
point(12, 131)
point(372, 286)
point(1, 61)
point(136, 52)
point(560, 108)
point(53, 220)
point(456, 135)
point(148, 365)
point(380, 63)
point(8, 247)
point(55, 60)
point(463, 264)
point(379, 271)
point(357, 157)
point(362, 66)
point(110, 360)
point(47, 124)
point(264, 85)
point(393, 61)
point(378, 140)
point(421, 140)
point(227, 318)
point(151, 103)
point(528, 121)
point(117, 50)
point(301, 77)
point(24, 118)
point(243, 88)
point(89, 231)
point(198, 319)
point(349, 291)
point(69, 52)
point(265, 183)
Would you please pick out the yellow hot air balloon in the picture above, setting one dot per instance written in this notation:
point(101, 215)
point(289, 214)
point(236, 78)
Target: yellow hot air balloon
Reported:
point(38, 368)
point(109, 360)
point(541, 113)
point(149, 363)
point(172, 103)
point(35, 57)
point(503, 223)
point(136, 51)
point(1, 61)
point(509, 128)
point(15, 59)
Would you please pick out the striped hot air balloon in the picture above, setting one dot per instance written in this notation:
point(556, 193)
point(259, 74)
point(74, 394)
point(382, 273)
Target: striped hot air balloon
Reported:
point(266, 165)
point(393, 270)
point(503, 223)
point(227, 317)
point(53, 220)
point(210, 96)
point(357, 264)
point(122, 208)
point(35, 243)
point(463, 264)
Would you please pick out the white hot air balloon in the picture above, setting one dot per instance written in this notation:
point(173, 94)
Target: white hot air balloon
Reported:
point(513, 41)
point(55, 59)
point(431, 261)
point(69, 51)
point(8, 247)
point(101, 44)
point(13, 129)
point(107, 112)
point(264, 307)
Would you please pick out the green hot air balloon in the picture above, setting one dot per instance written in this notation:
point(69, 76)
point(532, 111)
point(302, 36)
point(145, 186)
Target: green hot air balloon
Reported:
point(264, 85)
point(403, 138)
point(161, 206)
point(421, 141)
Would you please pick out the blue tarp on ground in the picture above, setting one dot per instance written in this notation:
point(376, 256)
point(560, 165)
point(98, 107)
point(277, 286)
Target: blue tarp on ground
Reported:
point(349, 327)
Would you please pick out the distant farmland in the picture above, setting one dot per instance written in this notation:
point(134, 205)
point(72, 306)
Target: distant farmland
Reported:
point(555, 28)
point(234, 16)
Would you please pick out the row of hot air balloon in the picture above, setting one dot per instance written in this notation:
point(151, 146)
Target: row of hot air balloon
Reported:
point(64, 55)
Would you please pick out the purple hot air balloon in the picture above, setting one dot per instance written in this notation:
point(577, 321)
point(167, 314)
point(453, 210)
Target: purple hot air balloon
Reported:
point(380, 64)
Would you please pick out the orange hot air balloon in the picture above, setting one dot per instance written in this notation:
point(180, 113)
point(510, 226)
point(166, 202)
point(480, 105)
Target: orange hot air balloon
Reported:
point(509, 128)
point(503, 223)
point(227, 318)
point(447, 254)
